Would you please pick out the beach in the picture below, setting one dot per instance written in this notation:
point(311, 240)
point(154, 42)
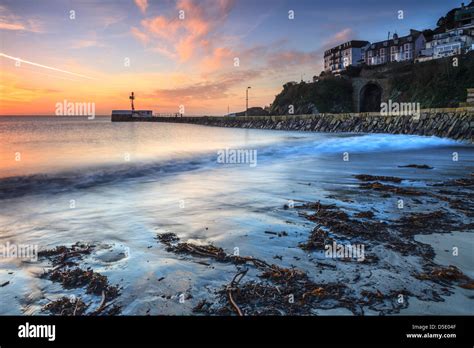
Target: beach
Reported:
point(150, 207)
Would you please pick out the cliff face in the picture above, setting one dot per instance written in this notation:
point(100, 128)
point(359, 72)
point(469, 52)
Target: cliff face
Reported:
point(332, 94)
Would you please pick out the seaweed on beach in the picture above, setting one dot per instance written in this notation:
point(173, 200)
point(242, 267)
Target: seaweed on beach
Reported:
point(168, 238)
point(376, 300)
point(94, 282)
point(271, 296)
point(365, 215)
point(458, 194)
point(416, 166)
point(427, 223)
point(173, 245)
point(463, 182)
point(283, 291)
point(447, 276)
point(62, 255)
point(377, 186)
point(317, 240)
point(366, 177)
point(397, 234)
point(340, 223)
point(66, 306)
point(66, 272)
point(420, 223)
point(464, 206)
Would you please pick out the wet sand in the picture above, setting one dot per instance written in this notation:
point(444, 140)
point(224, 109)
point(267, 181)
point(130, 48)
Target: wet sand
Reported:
point(407, 267)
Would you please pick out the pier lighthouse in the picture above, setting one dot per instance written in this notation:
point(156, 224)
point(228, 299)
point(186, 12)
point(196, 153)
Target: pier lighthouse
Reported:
point(132, 98)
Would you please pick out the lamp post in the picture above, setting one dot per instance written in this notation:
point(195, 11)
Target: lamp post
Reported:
point(247, 102)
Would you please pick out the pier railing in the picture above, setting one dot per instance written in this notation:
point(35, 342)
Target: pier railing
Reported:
point(156, 114)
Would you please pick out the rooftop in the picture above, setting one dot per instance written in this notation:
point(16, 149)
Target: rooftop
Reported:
point(396, 41)
point(348, 44)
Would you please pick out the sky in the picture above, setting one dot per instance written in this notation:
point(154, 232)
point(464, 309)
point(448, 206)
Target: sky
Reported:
point(200, 55)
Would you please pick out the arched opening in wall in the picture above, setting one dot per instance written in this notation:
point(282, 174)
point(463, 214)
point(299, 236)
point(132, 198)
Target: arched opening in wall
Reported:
point(370, 98)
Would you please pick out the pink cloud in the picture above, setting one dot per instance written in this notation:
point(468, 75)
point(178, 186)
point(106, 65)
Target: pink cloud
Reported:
point(219, 88)
point(340, 37)
point(87, 43)
point(285, 59)
point(142, 5)
point(138, 34)
point(9, 21)
point(188, 37)
point(12, 26)
point(217, 59)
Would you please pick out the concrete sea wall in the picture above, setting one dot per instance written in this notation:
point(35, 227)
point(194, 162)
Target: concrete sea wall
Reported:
point(451, 123)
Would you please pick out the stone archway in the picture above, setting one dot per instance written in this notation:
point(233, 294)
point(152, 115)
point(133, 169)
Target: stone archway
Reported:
point(370, 97)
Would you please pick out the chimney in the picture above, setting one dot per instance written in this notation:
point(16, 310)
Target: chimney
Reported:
point(395, 36)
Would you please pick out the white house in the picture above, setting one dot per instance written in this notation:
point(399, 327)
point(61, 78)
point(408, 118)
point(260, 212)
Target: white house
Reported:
point(452, 42)
point(339, 58)
point(398, 49)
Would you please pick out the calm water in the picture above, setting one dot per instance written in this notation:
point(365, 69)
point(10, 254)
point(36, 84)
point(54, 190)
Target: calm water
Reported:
point(119, 184)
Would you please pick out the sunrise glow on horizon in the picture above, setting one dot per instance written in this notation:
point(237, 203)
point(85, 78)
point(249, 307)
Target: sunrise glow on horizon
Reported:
point(200, 54)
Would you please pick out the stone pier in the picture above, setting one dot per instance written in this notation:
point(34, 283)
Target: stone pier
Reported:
point(455, 123)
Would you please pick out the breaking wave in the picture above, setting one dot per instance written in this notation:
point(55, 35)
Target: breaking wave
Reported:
point(294, 146)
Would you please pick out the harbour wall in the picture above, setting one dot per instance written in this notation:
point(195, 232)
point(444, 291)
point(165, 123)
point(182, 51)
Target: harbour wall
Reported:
point(455, 123)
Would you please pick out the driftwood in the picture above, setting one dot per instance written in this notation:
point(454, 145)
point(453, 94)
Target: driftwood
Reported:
point(102, 303)
point(233, 284)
